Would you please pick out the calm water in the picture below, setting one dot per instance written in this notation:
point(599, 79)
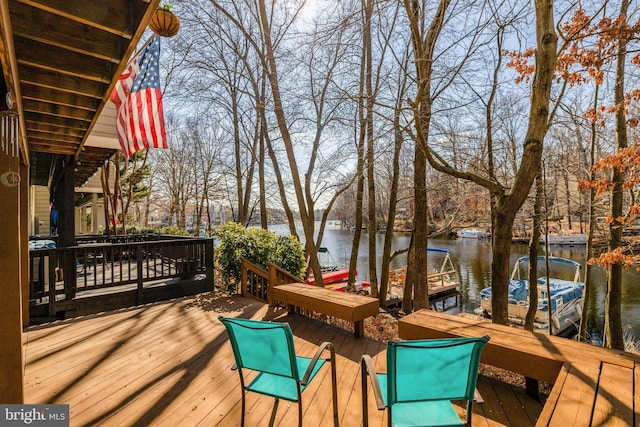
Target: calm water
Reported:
point(472, 260)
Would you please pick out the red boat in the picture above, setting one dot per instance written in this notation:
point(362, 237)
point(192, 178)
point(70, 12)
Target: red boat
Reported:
point(331, 277)
point(338, 281)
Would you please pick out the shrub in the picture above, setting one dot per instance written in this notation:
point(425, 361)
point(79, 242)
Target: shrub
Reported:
point(173, 230)
point(258, 246)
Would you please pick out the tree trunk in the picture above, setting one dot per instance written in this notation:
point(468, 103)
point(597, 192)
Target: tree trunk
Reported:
point(241, 218)
point(534, 244)
point(271, 71)
point(355, 245)
point(565, 175)
point(587, 297)
point(500, 265)
point(613, 333)
point(371, 183)
point(264, 220)
point(407, 292)
point(393, 200)
point(507, 205)
point(424, 46)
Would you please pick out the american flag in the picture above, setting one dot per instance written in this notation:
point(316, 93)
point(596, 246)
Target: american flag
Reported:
point(138, 100)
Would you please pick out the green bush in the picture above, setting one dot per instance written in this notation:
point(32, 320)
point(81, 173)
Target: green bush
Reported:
point(258, 246)
point(171, 230)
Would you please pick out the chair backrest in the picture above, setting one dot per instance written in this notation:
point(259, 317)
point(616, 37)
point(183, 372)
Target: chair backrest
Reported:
point(433, 369)
point(262, 346)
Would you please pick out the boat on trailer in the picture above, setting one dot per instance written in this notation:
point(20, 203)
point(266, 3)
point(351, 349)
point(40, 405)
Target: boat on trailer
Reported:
point(566, 297)
point(441, 282)
point(326, 260)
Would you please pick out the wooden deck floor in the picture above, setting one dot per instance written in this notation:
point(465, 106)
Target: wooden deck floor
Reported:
point(168, 364)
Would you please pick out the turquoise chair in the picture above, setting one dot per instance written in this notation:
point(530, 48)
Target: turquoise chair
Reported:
point(423, 377)
point(267, 348)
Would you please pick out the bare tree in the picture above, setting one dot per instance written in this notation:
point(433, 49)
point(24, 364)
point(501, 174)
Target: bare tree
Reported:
point(613, 334)
point(508, 200)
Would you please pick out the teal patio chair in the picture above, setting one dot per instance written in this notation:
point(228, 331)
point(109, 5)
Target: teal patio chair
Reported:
point(423, 377)
point(267, 348)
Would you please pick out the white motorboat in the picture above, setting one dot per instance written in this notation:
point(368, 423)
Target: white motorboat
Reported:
point(566, 297)
point(472, 233)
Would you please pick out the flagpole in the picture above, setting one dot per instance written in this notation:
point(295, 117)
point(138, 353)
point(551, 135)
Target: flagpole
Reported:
point(137, 52)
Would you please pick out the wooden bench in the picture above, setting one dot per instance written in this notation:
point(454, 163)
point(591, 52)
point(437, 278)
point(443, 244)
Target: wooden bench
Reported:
point(592, 385)
point(346, 306)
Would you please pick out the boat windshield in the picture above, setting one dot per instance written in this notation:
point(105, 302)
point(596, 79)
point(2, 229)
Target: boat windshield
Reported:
point(557, 268)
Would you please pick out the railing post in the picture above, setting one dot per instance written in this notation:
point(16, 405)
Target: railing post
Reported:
point(243, 278)
point(209, 263)
point(53, 264)
point(139, 273)
point(273, 277)
point(69, 273)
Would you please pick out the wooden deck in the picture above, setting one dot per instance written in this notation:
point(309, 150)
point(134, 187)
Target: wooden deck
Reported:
point(167, 364)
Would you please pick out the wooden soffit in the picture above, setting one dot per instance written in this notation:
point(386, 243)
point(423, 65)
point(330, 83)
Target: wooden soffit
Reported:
point(63, 57)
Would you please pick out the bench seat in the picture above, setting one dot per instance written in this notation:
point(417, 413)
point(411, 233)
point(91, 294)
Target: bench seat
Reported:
point(346, 306)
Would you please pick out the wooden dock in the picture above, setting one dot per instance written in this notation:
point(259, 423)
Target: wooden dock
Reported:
point(440, 286)
point(168, 364)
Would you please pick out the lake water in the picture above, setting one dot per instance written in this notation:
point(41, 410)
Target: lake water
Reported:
point(472, 260)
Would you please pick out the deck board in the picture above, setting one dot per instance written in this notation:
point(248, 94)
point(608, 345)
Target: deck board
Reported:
point(614, 402)
point(168, 364)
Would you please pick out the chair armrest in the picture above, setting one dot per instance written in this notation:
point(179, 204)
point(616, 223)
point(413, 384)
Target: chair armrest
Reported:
point(324, 346)
point(368, 369)
point(234, 367)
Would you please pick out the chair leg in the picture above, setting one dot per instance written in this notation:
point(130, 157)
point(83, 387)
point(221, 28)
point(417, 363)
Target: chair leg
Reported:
point(363, 382)
point(243, 405)
point(334, 391)
point(299, 411)
point(273, 413)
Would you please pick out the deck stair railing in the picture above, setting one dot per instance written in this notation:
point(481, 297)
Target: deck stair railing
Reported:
point(256, 282)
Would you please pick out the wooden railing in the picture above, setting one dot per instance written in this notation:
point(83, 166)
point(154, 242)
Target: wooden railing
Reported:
point(256, 282)
point(60, 274)
point(125, 238)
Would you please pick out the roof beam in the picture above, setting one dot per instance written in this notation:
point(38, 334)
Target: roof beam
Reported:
point(37, 126)
point(42, 135)
point(52, 148)
point(62, 82)
point(59, 121)
point(77, 37)
point(107, 15)
point(58, 110)
point(63, 61)
point(53, 96)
